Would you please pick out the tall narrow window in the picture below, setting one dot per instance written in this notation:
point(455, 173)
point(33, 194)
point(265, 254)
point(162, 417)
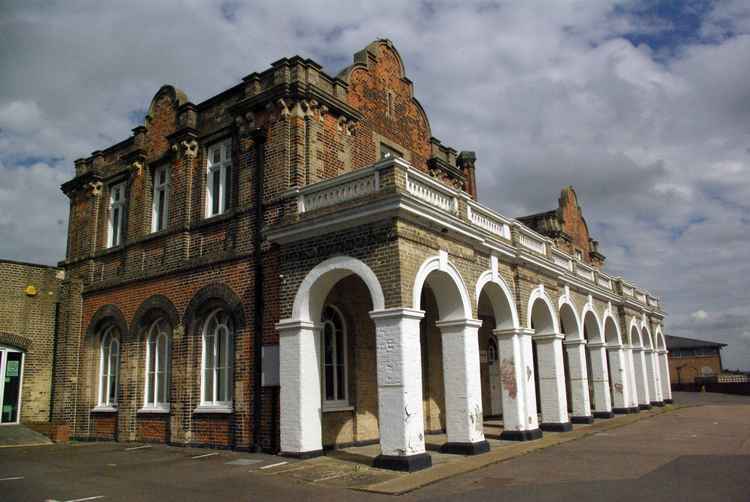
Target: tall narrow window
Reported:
point(216, 386)
point(116, 213)
point(157, 365)
point(219, 177)
point(160, 200)
point(109, 363)
point(334, 358)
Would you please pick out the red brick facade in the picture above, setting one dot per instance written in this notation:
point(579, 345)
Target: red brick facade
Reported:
point(299, 126)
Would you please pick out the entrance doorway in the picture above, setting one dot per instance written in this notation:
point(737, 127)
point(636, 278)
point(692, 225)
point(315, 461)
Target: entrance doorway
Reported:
point(11, 376)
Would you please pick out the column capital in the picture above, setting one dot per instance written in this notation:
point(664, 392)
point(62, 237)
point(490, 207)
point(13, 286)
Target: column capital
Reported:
point(396, 313)
point(613, 346)
point(637, 349)
point(456, 324)
point(574, 342)
point(548, 336)
point(596, 344)
point(286, 326)
point(509, 332)
point(662, 352)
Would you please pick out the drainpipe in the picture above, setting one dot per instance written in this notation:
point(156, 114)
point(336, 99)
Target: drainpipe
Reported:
point(55, 354)
point(259, 138)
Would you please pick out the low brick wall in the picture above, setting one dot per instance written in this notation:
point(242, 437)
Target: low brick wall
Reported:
point(742, 389)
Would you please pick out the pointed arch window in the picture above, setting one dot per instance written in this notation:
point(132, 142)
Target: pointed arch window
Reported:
point(109, 364)
point(216, 381)
point(333, 334)
point(157, 366)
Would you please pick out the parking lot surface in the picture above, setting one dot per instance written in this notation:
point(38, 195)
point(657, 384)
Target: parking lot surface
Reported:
point(699, 452)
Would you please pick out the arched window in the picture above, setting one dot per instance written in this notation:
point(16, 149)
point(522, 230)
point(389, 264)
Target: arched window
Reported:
point(109, 364)
point(216, 384)
point(335, 388)
point(157, 365)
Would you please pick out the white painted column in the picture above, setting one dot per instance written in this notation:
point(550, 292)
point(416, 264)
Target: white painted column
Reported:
point(650, 377)
point(300, 393)
point(516, 360)
point(666, 382)
point(600, 380)
point(400, 414)
point(552, 382)
point(620, 386)
point(463, 387)
point(641, 378)
point(579, 382)
point(631, 377)
point(657, 378)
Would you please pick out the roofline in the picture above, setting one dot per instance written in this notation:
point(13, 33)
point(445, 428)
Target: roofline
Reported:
point(29, 264)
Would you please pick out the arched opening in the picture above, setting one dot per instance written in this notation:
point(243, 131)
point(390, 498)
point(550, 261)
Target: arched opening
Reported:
point(547, 350)
point(639, 368)
point(11, 369)
point(328, 369)
point(596, 360)
point(652, 371)
point(569, 327)
point(617, 366)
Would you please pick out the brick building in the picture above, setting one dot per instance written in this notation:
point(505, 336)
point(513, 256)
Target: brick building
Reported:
point(690, 358)
point(28, 316)
point(297, 263)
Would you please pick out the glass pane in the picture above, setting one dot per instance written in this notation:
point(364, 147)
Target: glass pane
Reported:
point(115, 225)
point(339, 347)
point(160, 211)
point(222, 384)
point(12, 389)
point(208, 385)
point(226, 193)
point(328, 344)
point(217, 155)
point(221, 355)
point(112, 388)
point(216, 182)
point(340, 383)
point(329, 382)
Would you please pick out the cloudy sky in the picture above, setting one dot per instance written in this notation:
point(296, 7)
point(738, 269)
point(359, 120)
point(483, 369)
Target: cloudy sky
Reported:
point(643, 106)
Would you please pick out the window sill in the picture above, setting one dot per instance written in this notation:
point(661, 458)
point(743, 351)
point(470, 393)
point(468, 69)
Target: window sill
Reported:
point(330, 408)
point(216, 409)
point(217, 218)
point(153, 409)
point(104, 409)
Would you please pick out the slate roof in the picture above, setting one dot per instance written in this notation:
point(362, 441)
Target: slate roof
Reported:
point(679, 342)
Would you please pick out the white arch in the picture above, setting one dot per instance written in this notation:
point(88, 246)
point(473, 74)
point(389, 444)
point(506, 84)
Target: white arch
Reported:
point(566, 299)
point(661, 343)
point(448, 309)
point(589, 307)
point(487, 278)
point(634, 327)
point(608, 316)
point(650, 339)
point(540, 294)
point(318, 282)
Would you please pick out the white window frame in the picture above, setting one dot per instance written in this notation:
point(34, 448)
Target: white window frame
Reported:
point(220, 165)
point(158, 346)
point(161, 188)
point(117, 196)
point(225, 327)
point(110, 340)
point(335, 403)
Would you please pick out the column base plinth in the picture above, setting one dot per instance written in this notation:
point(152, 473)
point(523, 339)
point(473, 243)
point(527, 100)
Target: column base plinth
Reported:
point(556, 427)
point(644, 406)
point(603, 414)
point(668, 401)
point(405, 463)
point(521, 435)
point(582, 420)
point(657, 403)
point(624, 411)
point(466, 448)
point(302, 455)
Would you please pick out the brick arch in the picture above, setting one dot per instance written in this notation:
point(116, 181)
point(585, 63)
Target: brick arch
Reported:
point(14, 340)
point(107, 313)
point(215, 295)
point(154, 303)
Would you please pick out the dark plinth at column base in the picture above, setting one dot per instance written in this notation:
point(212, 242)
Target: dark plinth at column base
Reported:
point(582, 420)
point(466, 448)
point(668, 401)
point(407, 463)
point(521, 435)
point(644, 406)
point(555, 427)
point(624, 411)
point(657, 403)
point(302, 455)
point(603, 414)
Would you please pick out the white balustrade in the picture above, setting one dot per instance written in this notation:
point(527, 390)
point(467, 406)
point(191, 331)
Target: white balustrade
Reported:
point(603, 281)
point(533, 243)
point(431, 194)
point(562, 260)
point(486, 221)
point(585, 272)
point(347, 189)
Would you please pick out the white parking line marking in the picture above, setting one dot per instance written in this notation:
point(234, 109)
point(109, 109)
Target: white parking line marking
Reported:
point(11, 478)
point(138, 447)
point(273, 465)
point(95, 497)
point(204, 456)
